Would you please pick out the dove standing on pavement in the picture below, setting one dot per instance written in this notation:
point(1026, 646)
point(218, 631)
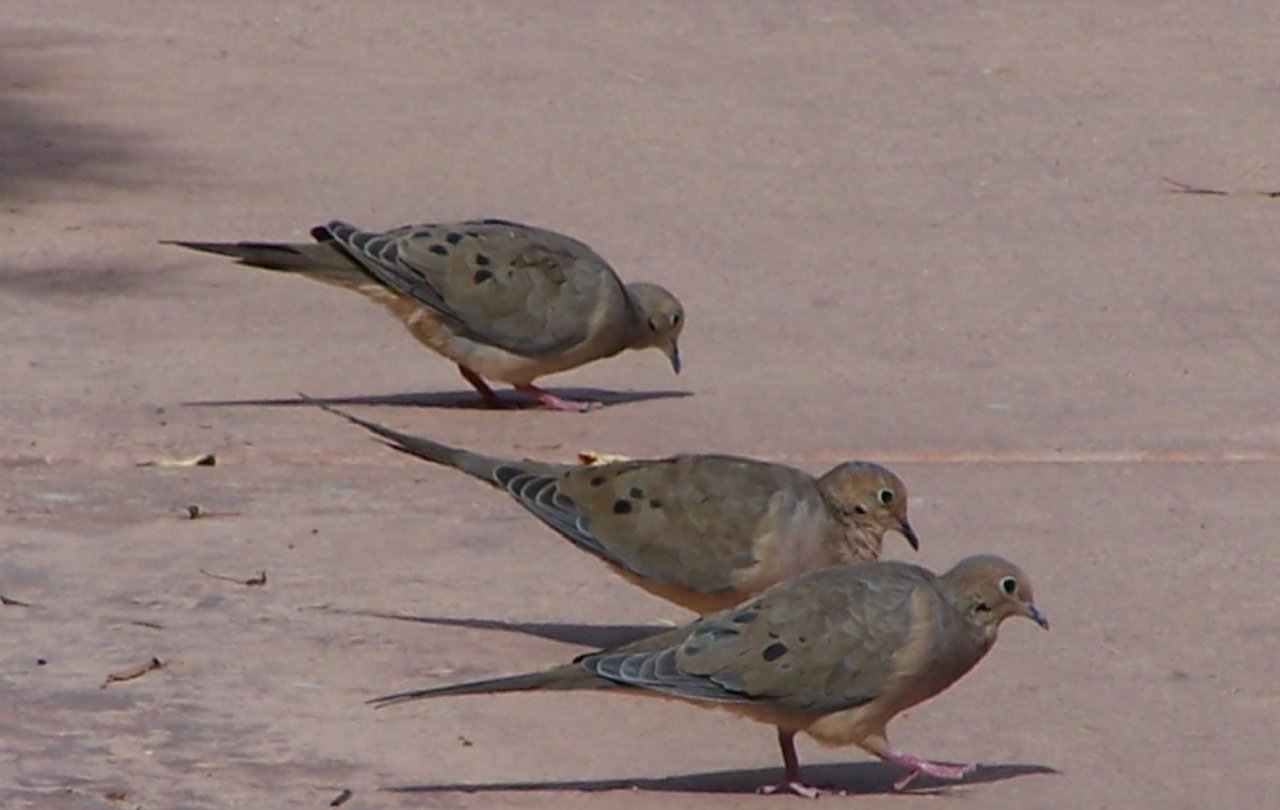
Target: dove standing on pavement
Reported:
point(702, 531)
point(504, 301)
point(835, 653)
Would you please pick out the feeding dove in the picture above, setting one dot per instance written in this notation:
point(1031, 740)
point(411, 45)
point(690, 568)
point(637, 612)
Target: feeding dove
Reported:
point(702, 531)
point(835, 653)
point(504, 301)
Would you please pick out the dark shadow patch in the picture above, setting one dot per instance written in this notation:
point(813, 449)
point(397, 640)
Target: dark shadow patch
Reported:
point(43, 149)
point(598, 636)
point(68, 281)
point(856, 778)
point(454, 399)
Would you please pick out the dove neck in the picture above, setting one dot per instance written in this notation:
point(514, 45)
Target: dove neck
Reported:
point(981, 632)
point(641, 334)
point(860, 541)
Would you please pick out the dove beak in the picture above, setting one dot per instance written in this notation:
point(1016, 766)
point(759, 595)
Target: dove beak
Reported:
point(672, 351)
point(1034, 614)
point(905, 528)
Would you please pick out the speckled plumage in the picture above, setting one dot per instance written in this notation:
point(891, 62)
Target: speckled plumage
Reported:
point(703, 531)
point(835, 653)
point(504, 301)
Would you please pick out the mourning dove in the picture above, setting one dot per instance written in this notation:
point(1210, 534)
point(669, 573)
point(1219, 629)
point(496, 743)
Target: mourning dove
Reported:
point(505, 301)
point(835, 653)
point(702, 531)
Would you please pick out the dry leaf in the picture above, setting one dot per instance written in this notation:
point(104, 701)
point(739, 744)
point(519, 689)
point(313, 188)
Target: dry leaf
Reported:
point(133, 672)
point(592, 458)
point(202, 460)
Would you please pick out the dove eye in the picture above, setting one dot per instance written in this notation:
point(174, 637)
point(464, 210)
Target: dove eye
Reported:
point(885, 497)
point(1009, 585)
point(675, 319)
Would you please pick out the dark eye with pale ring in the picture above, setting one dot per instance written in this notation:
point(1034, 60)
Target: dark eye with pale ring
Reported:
point(1009, 585)
point(885, 497)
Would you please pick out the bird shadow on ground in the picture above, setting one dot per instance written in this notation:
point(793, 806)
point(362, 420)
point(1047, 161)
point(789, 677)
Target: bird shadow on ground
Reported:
point(857, 778)
point(598, 636)
point(456, 399)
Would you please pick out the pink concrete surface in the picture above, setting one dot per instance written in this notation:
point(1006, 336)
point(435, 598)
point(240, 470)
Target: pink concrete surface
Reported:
point(934, 234)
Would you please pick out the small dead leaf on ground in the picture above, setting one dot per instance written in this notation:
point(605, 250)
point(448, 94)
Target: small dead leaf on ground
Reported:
point(592, 458)
point(134, 672)
point(11, 602)
point(202, 460)
point(195, 511)
point(255, 581)
point(342, 798)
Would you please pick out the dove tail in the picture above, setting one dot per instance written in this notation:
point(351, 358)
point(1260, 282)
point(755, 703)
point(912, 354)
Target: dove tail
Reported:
point(320, 261)
point(475, 464)
point(559, 679)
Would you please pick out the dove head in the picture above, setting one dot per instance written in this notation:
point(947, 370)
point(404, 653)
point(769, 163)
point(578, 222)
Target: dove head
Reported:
point(990, 589)
point(871, 499)
point(660, 320)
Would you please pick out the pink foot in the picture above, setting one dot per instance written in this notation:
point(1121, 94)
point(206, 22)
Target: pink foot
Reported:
point(552, 402)
point(938, 770)
point(798, 788)
point(791, 781)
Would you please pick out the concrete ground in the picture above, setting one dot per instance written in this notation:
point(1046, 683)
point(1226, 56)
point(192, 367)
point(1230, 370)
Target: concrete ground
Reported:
point(932, 234)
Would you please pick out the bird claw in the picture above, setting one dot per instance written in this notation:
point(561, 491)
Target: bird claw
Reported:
point(798, 788)
point(950, 771)
point(552, 402)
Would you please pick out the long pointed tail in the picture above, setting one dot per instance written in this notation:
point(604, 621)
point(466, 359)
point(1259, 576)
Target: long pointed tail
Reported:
point(563, 678)
point(320, 260)
point(476, 464)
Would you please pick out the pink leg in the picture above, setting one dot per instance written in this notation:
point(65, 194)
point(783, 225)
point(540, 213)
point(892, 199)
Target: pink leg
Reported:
point(791, 781)
point(478, 383)
point(938, 770)
point(553, 402)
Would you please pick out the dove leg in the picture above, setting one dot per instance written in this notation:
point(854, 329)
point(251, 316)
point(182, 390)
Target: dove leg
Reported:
point(478, 383)
point(791, 781)
point(553, 402)
point(938, 770)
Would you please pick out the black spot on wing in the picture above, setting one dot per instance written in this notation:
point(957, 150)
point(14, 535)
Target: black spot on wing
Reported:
point(453, 237)
point(774, 651)
point(439, 250)
point(482, 276)
point(482, 260)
